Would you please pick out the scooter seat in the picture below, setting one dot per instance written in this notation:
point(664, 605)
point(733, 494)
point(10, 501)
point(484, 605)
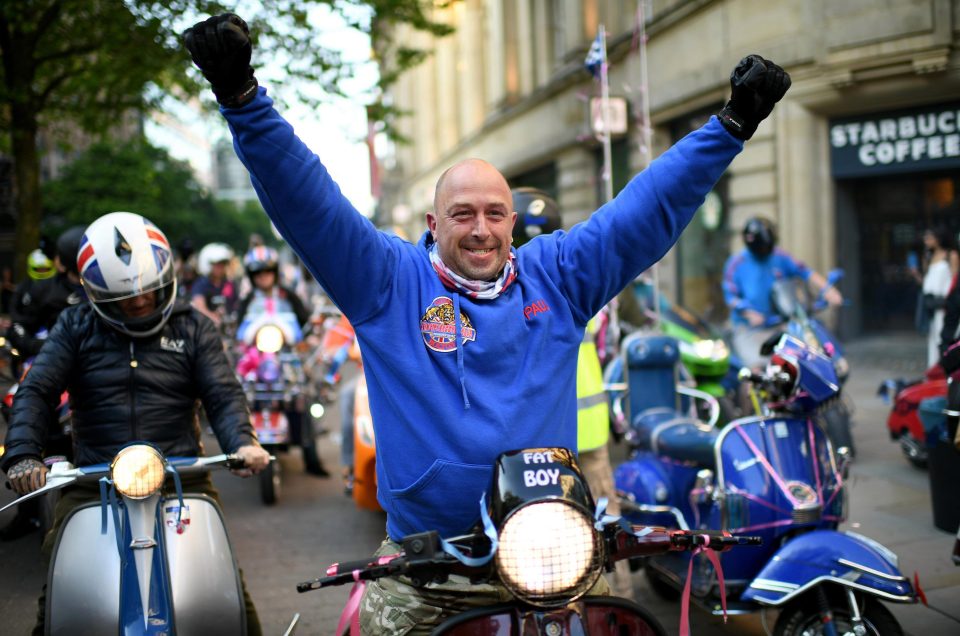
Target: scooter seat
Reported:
point(687, 440)
point(647, 421)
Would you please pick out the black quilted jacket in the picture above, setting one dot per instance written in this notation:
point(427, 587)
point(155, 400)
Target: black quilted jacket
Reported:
point(124, 389)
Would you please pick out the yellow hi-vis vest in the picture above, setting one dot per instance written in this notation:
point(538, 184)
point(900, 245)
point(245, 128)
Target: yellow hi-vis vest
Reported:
point(593, 419)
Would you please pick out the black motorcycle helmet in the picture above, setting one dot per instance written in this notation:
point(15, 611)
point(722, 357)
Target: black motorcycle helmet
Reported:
point(760, 236)
point(68, 244)
point(537, 213)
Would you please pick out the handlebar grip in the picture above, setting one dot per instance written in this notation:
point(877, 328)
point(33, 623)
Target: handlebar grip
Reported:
point(349, 566)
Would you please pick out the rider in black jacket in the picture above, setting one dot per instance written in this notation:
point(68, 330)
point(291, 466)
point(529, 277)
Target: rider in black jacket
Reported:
point(137, 365)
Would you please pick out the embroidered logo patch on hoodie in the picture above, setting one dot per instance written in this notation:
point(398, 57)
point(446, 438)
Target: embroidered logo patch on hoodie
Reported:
point(439, 328)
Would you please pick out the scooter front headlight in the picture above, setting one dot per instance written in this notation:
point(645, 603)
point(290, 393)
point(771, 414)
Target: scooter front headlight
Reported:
point(711, 349)
point(138, 471)
point(269, 339)
point(549, 553)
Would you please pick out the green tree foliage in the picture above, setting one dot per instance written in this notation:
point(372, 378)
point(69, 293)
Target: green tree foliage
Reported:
point(144, 179)
point(83, 63)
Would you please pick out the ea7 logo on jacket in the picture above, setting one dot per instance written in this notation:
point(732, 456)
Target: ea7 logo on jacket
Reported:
point(171, 344)
point(439, 328)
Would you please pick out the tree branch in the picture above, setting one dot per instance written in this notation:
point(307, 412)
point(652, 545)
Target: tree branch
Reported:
point(68, 52)
point(51, 15)
point(52, 86)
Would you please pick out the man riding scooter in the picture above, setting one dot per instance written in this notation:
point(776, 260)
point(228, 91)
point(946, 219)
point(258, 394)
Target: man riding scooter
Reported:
point(459, 331)
point(136, 364)
point(748, 280)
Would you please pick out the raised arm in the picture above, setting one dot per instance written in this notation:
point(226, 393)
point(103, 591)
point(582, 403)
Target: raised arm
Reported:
point(628, 234)
point(344, 252)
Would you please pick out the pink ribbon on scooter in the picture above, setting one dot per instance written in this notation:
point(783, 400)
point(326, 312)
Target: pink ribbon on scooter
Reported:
point(351, 611)
point(685, 602)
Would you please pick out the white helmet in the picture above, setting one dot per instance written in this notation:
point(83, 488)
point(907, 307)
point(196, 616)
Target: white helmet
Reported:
point(123, 255)
point(213, 253)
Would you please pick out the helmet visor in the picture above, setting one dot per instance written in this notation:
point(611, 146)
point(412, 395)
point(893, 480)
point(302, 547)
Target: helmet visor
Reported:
point(139, 310)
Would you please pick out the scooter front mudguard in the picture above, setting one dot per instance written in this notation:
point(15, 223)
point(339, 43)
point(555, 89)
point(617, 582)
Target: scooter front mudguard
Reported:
point(844, 558)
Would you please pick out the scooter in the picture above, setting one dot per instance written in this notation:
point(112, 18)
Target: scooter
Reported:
point(278, 391)
point(139, 562)
point(775, 475)
point(795, 316)
point(904, 423)
point(546, 541)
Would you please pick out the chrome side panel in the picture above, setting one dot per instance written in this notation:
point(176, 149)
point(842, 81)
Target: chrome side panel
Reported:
point(83, 585)
point(205, 585)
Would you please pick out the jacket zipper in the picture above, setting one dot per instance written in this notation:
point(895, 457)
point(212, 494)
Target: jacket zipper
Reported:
point(134, 434)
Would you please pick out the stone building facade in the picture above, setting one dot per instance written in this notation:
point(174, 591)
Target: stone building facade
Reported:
point(859, 158)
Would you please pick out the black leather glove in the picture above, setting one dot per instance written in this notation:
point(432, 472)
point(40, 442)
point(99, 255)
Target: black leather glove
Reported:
point(756, 85)
point(220, 47)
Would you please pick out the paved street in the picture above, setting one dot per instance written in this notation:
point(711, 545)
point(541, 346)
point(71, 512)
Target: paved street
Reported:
point(314, 525)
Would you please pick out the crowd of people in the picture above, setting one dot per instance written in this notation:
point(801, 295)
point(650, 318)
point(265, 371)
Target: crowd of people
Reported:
point(459, 330)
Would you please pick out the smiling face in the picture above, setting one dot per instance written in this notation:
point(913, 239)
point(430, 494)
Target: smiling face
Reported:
point(472, 220)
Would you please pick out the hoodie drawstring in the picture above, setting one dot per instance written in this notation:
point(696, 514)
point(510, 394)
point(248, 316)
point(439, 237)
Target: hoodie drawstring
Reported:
point(460, 343)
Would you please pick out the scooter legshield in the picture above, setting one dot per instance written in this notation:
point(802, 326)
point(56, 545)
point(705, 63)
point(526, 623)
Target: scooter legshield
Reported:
point(844, 558)
point(204, 579)
point(84, 584)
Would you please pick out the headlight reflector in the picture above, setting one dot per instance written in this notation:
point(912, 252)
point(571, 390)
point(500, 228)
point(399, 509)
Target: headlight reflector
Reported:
point(549, 553)
point(137, 471)
point(269, 339)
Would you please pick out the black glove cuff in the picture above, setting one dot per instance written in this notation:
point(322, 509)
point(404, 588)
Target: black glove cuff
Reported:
point(238, 98)
point(735, 124)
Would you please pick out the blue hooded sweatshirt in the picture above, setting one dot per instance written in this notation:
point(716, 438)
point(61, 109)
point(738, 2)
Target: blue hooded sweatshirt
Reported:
point(454, 381)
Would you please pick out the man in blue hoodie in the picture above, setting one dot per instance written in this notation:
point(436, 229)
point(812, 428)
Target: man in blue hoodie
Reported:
point(469, 347)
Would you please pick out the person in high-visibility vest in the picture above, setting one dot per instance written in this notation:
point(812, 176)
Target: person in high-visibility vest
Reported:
point(593, 436)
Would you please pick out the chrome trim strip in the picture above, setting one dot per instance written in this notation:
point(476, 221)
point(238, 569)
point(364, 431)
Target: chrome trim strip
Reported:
point(863, 568)
point(773, 586)
point(844, 582)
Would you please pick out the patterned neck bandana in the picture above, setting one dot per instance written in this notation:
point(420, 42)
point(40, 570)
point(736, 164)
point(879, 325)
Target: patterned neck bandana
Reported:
point(479, 289)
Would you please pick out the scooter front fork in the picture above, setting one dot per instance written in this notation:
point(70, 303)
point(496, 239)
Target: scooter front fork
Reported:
point(856, 621)
point(826, 614)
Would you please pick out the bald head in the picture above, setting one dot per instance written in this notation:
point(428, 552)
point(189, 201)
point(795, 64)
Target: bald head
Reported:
point(472, 219)
point(468, 169)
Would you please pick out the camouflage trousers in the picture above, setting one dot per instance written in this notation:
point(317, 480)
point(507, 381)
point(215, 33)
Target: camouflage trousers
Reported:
point(394, 606)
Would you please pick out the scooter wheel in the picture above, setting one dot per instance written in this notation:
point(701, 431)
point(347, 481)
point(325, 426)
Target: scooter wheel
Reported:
point(803, 617)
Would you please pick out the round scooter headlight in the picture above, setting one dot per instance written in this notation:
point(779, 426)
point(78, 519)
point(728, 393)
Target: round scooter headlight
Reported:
point(269, 339)
point(549, 553)
point(138, 471)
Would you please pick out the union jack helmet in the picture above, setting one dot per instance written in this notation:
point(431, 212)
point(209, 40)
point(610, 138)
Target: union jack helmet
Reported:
point(261, 258)
point(122, 256)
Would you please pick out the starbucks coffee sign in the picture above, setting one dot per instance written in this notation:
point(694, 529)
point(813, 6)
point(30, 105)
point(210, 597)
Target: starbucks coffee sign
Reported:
point(910, 140)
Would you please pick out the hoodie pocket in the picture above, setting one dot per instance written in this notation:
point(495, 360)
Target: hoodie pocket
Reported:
point(445, 498)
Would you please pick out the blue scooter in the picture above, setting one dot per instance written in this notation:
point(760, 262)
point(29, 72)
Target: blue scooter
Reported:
point(774, 475)
point(794, 314)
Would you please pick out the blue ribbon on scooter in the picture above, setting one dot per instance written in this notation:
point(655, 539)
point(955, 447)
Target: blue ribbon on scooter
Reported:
point(601, 519)
point(109, 495)
point(488, 529)
point(176, 484)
